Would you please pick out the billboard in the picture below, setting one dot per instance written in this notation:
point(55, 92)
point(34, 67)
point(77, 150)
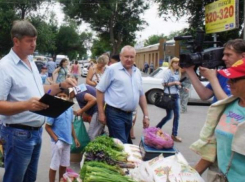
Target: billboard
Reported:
point(221, 16)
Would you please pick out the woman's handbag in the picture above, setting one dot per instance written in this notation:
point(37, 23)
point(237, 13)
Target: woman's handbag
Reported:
point(215, 175)
point(165, 101)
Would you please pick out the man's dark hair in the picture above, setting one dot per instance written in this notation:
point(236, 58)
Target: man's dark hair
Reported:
point(23, 28)
point(116, 57)
point(238, 45)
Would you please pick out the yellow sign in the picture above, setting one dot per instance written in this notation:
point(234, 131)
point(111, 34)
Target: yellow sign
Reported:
point(221, 16)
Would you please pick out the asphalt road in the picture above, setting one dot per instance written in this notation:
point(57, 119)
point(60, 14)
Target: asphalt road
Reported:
point(189, 129)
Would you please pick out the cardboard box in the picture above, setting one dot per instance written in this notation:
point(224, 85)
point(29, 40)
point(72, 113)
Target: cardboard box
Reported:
point(76, 157)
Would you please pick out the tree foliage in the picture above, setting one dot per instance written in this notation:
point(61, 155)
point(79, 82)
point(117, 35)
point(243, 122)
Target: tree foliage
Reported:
point(46, 36)
point(7, 15)
point(153, 39)
point(114, 21)
point(51, 39)
point(177, 33)
point(99, 47)
point(18, 9)
point(70, 43)
point(23, 7)
point(195, 10)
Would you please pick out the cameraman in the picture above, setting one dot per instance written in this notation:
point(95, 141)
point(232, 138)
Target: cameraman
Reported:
point(217, 87)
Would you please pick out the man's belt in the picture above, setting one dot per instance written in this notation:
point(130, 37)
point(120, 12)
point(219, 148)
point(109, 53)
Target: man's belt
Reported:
point(119, 110)
point(24, 127)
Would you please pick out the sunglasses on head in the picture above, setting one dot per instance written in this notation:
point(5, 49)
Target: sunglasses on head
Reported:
point(234, 80)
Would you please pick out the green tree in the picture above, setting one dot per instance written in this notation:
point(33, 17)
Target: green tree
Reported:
point(86, 39)
point(7, 15)
point(114, 21)
point(177, 33)
point(69, 42)
point(195, 10)
point(54, 29)
point(46, 37)
point(153, 39)
point(23, 7)
point(14, 10)
point(99, 47)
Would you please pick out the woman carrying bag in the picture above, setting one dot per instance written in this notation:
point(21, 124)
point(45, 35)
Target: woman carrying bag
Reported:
point(223, 134)
point(171, 83)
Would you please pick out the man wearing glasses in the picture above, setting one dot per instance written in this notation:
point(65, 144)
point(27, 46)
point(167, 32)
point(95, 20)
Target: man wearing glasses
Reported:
point(217, 87)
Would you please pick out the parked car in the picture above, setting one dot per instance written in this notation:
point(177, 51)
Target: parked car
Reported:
point(80, 62)
point(44, 59)
point(153, 84)
point(39, 65)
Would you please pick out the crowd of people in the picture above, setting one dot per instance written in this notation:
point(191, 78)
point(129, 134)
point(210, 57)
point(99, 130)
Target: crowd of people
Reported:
point(106, 100)
point(22, 88)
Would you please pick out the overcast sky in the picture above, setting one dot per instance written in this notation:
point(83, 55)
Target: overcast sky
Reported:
point(156, 25)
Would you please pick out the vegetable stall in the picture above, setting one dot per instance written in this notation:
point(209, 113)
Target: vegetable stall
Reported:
point(109, 160)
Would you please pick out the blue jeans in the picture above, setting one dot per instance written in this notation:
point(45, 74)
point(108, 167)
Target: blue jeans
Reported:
point(170, 115)
point(119, 124)
point(21, 154)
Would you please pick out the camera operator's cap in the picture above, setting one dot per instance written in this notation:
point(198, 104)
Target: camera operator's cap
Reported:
point(44, 67)
point(235, 71)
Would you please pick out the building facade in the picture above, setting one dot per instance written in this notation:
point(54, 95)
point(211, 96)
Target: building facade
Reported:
point(156, 53)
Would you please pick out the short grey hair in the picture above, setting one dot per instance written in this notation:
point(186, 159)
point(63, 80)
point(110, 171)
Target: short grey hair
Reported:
point(126, 48)
point(104, 59)
point(23, 28)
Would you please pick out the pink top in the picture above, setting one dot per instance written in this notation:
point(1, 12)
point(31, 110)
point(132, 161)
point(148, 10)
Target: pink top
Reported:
point(74, 69)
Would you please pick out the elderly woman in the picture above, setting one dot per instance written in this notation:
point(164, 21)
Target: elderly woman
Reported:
point(95, 72)
point(223, 134)
point(171, 83)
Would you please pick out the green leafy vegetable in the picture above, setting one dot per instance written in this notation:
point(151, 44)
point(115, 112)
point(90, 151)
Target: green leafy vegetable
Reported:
point(108, 142)
point(100, 172)
point(94, 147)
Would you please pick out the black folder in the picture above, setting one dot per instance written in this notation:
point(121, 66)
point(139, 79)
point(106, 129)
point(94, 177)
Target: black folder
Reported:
point(56, 106)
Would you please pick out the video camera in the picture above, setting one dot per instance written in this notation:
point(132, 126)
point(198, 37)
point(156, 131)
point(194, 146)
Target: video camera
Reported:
point(209, 58)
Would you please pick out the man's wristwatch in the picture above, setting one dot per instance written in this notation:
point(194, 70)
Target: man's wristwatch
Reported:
point(60, 87)
point(147, 117)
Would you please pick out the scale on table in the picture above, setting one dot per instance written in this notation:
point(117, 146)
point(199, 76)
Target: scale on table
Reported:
point(149, 153)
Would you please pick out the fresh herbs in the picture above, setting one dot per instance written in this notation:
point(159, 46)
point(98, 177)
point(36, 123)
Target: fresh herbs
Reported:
point(101, 172)
point(104, 149)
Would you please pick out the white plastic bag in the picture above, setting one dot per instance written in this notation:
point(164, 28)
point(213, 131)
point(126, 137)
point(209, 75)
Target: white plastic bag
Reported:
point(170, 169)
